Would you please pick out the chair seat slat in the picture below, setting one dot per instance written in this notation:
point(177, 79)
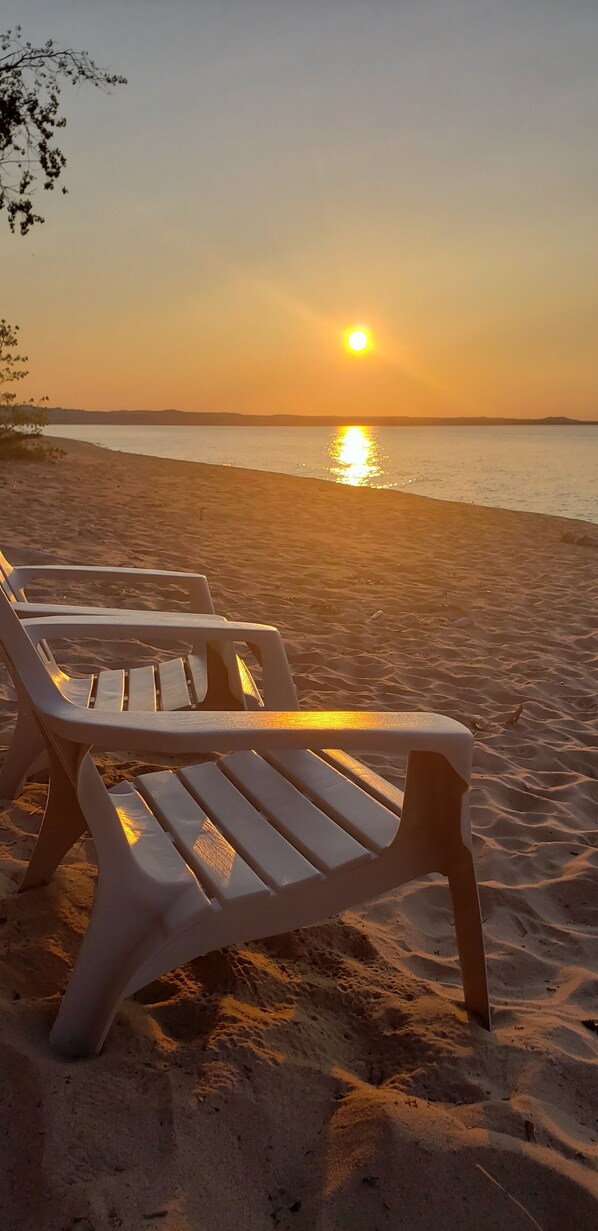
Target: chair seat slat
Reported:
point(76, 690)
point(142, 689)
point(174, 690)
point(273, 858)
point(110, 691)
point(375, 785)
point(251, 693)
point(315, 834)
point(352, 807)
point(220, 868)
point(198, 671)
point(151, 847)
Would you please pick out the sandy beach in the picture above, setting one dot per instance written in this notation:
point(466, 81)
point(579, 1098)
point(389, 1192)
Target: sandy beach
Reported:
point(330, 1080)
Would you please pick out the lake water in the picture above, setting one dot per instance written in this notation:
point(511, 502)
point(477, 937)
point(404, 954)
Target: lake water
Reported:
point(539, 469)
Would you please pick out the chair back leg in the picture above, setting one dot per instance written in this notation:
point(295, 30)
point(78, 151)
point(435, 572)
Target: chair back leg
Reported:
point(470, 938)
point(62, 825)
point(26, 755)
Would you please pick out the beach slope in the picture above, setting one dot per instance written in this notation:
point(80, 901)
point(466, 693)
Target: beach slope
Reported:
point(329, 1080)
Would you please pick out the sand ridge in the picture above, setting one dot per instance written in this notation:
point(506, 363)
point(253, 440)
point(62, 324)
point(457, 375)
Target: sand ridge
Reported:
point(330, 1078)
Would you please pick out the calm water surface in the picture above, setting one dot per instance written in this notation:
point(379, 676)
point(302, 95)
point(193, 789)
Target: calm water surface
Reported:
point(539, 469)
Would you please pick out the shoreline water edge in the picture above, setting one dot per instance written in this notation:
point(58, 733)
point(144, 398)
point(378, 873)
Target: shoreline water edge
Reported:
point(536, 469)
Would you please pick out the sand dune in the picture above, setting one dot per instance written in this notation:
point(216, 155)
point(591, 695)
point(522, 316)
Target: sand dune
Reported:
point(330, 1079)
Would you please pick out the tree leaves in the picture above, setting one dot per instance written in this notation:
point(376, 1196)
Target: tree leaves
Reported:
point(31, 79)
point(19, 425)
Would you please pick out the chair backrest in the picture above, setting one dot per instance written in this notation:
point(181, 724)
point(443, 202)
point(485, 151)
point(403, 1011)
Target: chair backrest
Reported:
point(37, 676)
point(28, 664)
point(5, 583)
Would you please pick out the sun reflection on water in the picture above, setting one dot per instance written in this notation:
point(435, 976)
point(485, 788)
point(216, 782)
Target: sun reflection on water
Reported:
point(355, 456)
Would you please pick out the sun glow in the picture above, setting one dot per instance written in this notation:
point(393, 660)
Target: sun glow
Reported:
point(357, 340)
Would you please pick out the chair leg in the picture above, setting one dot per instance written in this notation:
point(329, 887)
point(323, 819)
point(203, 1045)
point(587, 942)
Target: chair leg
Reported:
point(470, 938)
point(63, 823)
point(121, 935)
point(26, 754)
point(436, 811)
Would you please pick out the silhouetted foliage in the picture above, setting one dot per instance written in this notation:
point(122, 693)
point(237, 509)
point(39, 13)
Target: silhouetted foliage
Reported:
point(20, 426)
point(31, 79)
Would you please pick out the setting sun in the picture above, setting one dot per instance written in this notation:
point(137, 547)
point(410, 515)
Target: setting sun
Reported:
point(357, 339)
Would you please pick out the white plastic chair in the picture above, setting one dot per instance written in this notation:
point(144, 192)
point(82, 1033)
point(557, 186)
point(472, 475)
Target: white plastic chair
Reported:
point(189, 681)
point(14, 580)
point(278, 833)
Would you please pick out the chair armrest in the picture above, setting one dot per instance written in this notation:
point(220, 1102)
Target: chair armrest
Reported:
point(195, 584)
point(162, 628)
point(190, 734)
point(32, 610)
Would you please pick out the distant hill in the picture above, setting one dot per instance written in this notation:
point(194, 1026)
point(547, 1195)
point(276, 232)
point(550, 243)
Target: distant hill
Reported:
point(181, 418)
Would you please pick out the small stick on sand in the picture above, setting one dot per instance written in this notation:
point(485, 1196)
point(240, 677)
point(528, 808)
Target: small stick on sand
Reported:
point(511, 1198)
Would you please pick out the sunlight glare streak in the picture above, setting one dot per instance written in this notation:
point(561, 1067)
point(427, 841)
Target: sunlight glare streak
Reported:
point(131, 827)
point(355, 456)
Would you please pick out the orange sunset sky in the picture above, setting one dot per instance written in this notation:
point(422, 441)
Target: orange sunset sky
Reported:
point(279, 170)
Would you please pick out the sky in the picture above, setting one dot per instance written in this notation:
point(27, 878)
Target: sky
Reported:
point(277, 171)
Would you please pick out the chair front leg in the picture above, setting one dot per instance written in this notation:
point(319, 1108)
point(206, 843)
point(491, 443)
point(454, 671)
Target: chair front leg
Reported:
point(436, 817)
point(121, 935)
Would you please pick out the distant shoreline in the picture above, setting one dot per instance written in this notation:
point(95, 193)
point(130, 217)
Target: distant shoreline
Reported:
point(179, 418)
point(547, 472)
